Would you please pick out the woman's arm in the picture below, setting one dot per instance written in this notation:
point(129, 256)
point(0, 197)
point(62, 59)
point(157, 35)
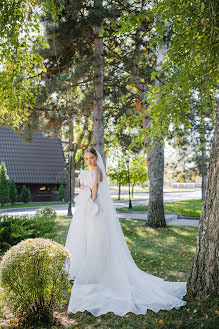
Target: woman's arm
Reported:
point(94, 189)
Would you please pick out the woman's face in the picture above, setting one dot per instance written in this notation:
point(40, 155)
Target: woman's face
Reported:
point(91, 159)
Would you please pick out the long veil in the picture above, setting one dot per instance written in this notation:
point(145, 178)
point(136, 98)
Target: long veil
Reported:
point(109, 209)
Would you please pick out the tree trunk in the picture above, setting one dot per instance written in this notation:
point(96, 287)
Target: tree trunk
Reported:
point(205, 270)
point(156, 216)
point(119, 193)
point(155, 165)
point(98, 119)
point(133, 185)
point(204, 172)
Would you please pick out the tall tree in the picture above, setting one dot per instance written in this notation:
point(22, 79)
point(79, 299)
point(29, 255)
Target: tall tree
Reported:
point(193, 36)
point(191, 67)
point(205, 270)
point(12, 191)
point(4, 187)
point(138, 58)
point(98, 118)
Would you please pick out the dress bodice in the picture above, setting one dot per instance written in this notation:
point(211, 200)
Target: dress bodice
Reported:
point(83, 199)
point(89, 177)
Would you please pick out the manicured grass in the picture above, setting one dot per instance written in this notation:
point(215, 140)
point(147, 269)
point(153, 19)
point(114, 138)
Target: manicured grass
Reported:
point(183, 208)
point(32, 204)
point(168, 253)
point(125, 188)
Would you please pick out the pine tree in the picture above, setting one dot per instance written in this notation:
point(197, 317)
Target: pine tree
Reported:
point(25, 194)
point(12, 191)
point(61, 193)
point(4, 188)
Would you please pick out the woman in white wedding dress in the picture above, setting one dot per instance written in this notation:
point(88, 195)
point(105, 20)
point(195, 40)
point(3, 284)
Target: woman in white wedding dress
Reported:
point(106, 278)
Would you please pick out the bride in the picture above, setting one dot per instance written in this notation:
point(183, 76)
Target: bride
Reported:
point(106, 278)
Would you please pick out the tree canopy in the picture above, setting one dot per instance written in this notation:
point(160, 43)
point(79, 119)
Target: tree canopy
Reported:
point(21, 65)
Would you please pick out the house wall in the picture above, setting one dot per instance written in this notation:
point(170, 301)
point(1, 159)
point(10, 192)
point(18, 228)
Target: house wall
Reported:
point(40, 192)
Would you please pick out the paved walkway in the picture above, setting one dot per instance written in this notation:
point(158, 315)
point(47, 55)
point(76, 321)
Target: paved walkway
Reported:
point(142, 198)
point(171, 218)
point(61, 210)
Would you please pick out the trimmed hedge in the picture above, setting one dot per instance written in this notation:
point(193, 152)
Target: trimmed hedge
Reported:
point(15, 229)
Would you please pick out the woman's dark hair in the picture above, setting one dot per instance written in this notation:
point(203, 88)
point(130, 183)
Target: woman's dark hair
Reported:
point(91, 150)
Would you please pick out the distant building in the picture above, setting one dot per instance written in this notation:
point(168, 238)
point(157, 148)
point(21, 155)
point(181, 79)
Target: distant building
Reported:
point(40, 164)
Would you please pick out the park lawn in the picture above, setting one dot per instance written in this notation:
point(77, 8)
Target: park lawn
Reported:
point(168, 253)
point(183, 208)
point(32, 204)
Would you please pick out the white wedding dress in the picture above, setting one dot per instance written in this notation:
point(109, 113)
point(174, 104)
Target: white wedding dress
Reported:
point(106, 278)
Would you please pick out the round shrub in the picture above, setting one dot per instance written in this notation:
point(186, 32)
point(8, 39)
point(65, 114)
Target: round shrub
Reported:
point(34, 278)
point(46, 212)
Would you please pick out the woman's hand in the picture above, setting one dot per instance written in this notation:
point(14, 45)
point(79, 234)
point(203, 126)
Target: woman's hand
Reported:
point(83, 186)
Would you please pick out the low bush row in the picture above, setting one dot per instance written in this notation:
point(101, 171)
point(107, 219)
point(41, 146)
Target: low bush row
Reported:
point(15, 229)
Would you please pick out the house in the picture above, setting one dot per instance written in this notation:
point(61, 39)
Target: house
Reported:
point(40, 164)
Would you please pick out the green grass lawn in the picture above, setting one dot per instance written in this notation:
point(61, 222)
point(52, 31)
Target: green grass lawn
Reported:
point(32, 204)
point(167, 253)
point(183, 208)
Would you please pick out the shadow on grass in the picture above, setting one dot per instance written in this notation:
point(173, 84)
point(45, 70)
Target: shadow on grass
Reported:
point(160, 251)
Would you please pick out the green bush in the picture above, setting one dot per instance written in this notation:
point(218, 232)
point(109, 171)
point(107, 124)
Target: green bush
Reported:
point(4, 188)
point(46, 212)
point(25, 194)
point(15, 229)
point(61, 193)
point(33, 279)
point(12, 191)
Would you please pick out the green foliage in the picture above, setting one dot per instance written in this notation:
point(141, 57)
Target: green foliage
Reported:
point(137, 171)
point(186, 35)
point(33, 279)
point(21, 66)
point(25, 194)
point(4, 188)
point(12, 191)
point(61, 193)
point(119, 174)
point(190, 67)
point(46, 212)
point(15, 229)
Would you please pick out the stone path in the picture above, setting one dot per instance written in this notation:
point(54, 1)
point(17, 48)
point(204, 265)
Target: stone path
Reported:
point(61, 210)
point(142, 198)
point(171, 218)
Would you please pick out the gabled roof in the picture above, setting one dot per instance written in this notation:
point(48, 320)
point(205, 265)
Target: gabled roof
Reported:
point(39, 162)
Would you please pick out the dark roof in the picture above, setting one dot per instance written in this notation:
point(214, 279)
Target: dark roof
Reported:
point(39, 162)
